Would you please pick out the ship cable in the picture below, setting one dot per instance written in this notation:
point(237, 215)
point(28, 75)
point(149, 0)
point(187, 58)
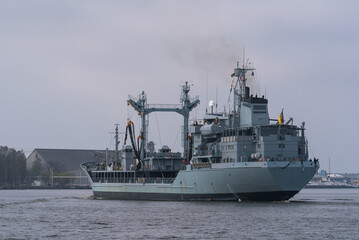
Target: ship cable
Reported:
point(287, 164)
point(190, 148)
point(131, 130)
point(133, 142)
point(137, 148)
point(234, 194)
point(139, 144)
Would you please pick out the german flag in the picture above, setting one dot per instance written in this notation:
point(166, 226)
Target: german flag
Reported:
point(281, 118)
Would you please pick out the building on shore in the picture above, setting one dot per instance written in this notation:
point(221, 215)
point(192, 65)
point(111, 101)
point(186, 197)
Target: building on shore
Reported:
point(331, 180)
point(62, 166)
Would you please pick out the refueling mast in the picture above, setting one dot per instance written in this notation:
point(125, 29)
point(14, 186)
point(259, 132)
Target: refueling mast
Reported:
point(143, 109)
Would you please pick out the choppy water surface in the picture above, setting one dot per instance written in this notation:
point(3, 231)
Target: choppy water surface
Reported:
point(74, 214)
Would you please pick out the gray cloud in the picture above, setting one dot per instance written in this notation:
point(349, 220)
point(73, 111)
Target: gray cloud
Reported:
point(67, 67)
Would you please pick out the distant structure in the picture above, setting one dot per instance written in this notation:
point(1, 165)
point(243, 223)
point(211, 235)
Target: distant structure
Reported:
point(331, 180)
point(64, 160)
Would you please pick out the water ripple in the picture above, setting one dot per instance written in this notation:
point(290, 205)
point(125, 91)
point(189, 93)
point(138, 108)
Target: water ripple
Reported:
point(75, 214)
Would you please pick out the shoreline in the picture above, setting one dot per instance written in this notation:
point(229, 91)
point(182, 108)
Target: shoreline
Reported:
point(45, 187)
point(329, 186)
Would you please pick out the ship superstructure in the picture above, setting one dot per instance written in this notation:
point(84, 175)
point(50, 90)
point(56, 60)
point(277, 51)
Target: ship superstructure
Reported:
point(227, 156)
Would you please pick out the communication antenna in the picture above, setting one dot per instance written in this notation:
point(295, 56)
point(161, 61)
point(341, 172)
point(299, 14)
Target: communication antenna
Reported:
point(244, 55)
point(265, 91)
point(216, 98)
point(207, 92)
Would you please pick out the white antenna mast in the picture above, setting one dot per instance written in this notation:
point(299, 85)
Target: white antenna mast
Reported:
point(207, 93)
point(244, 55)
point(216, 98)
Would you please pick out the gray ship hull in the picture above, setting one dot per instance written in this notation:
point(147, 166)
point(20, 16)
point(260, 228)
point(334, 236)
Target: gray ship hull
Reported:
point(252, 181)
point(258, 196)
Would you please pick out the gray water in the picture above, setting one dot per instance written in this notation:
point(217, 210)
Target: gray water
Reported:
point(74, 214)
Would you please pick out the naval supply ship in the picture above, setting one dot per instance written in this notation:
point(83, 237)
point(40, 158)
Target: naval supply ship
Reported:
point(241, 154)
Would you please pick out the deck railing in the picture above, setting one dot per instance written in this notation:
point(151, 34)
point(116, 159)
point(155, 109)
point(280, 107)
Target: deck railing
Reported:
point(134, 180)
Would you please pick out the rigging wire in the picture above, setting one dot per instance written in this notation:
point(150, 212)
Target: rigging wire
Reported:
point(309, 146)
point(311, 150)
point(128, 112)
point(109, 146)
point(158, 129)
point(150, 135)
point(175, 142)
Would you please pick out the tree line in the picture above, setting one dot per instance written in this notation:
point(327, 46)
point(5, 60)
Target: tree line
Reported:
point(12, 167)
point(13, 172)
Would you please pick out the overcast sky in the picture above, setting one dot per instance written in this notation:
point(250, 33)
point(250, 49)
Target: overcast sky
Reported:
point(67, 68)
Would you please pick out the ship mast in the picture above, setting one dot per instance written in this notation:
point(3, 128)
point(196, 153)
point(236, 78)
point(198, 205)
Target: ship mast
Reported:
point(116, 144)
point(239, 96)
